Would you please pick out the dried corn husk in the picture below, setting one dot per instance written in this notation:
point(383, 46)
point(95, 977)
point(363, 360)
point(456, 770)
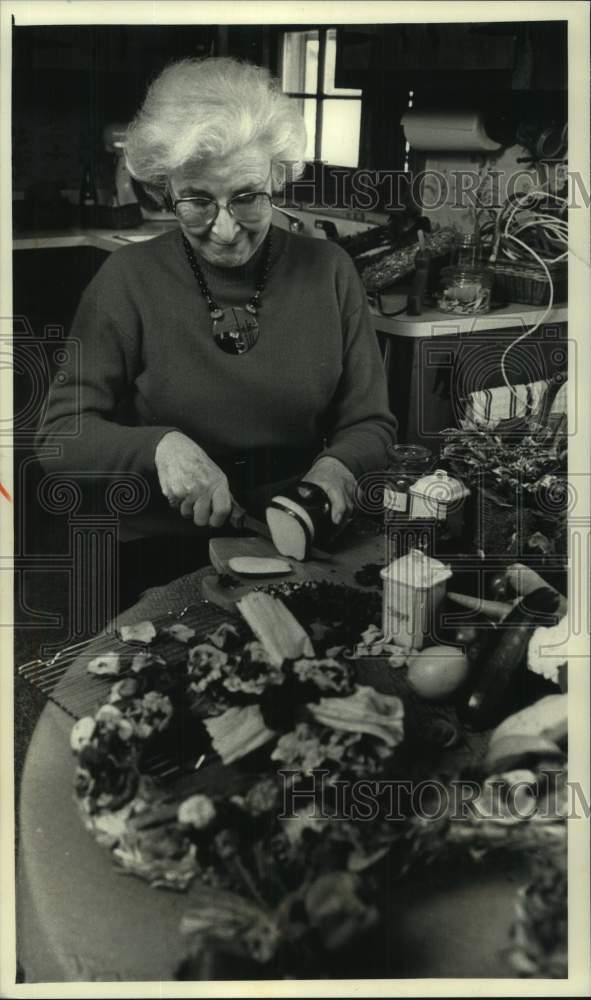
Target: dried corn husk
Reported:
point(238, 731)
point(547, 717)
point(280, 634)
point(365, 711)
point(513, 750)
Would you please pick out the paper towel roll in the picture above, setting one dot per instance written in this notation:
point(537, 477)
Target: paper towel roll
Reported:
point(451, 131)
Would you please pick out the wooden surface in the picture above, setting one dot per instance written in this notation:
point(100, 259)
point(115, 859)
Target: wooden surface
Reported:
point(353, 552)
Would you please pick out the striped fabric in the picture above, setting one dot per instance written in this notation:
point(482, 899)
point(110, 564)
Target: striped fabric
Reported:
point(486, 408)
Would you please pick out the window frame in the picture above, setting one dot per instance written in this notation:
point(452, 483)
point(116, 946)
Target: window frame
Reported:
point(318, 95)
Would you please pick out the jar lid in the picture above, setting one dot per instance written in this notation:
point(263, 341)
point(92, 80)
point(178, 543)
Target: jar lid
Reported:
point(409, 453)
point(417, 570)
point(439, 488)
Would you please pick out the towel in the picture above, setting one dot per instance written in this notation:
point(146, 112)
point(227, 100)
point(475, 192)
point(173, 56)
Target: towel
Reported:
point(486, 408)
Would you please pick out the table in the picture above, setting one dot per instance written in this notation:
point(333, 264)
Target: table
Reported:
point(79, 920)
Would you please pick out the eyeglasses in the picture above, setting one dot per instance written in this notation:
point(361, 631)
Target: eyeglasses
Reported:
point(248, 207)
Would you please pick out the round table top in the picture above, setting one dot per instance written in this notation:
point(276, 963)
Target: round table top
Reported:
point(79, 919)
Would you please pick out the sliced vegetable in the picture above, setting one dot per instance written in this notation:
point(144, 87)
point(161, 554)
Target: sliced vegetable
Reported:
point(259, 566)
point(292, 531)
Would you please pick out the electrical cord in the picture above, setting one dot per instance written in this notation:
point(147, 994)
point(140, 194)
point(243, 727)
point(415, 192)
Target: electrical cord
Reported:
point(550, 229)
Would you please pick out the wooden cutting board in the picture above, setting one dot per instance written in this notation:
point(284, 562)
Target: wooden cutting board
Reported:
point(355, 551)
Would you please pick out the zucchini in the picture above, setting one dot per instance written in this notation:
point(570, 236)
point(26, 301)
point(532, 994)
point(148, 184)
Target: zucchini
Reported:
point(505, 656)
point(291, 530)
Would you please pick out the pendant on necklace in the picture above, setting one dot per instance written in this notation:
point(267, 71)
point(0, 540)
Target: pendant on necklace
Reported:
point(236, 331)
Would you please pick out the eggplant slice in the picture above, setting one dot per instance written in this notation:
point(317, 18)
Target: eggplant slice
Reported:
point(259, 566)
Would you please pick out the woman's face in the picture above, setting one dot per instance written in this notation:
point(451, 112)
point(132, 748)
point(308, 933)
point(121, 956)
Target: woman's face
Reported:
point(225, 242)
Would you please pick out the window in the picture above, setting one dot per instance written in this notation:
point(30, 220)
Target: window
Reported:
point(332, 114)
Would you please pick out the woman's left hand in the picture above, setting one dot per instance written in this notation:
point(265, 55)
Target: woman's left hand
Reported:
point(338, 482)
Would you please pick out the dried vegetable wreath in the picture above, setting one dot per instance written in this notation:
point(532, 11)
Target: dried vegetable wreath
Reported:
point(281, 894)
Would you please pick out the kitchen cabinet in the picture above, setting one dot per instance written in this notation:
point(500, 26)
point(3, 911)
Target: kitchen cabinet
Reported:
point(430, 57)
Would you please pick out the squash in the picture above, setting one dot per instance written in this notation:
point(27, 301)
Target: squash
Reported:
point(505, 655)
point(437, 672)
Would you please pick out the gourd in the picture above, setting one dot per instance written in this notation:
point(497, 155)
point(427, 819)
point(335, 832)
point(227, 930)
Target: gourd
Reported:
point(504, 655)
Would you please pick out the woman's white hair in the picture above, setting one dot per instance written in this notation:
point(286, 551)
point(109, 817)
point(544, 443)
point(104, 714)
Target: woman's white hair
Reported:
point(200, 109)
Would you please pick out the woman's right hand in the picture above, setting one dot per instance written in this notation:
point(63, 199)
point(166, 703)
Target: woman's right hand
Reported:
point(191, 481)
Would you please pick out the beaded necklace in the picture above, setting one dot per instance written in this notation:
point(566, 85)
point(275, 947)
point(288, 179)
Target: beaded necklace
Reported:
point(239, 331)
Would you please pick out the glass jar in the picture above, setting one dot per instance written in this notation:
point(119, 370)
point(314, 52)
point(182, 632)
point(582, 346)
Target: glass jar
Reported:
point(408, 462)
point(465, 291)
point(467, 252)
point(465, 287)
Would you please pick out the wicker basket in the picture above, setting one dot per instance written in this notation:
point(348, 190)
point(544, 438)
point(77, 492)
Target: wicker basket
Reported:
point(528, 283)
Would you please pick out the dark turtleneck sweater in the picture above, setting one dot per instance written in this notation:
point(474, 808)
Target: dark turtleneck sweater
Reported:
point(313, 383)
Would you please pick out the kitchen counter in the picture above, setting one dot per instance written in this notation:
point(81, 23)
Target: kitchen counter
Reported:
point(431, 323)
point(434, 323)
point(101, 239)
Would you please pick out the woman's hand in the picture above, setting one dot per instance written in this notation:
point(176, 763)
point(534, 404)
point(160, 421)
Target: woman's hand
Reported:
point(191, 481)
point(338, 482)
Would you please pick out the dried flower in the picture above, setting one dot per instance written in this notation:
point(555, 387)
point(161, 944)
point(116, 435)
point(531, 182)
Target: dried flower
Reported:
point(141, 632)
point(306, 818)
point(227, 917)
point(336, 910)
point(143, 659)
point(197, 811)
point(82, 733)
point(206, 663)
point(122, 690)
point(163, 856)
point(150, 714)
point(264, 797)
point(107, 664)
point(180, 632)
point(327, 674)
point(111, 720)
point(224, 636)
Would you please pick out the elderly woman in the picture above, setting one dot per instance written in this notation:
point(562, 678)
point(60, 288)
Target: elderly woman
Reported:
point(227, 355)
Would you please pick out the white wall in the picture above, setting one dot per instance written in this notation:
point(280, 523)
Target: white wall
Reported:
point(446, 173)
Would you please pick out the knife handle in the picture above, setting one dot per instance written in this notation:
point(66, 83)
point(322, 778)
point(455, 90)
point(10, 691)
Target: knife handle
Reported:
point(237, 516)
